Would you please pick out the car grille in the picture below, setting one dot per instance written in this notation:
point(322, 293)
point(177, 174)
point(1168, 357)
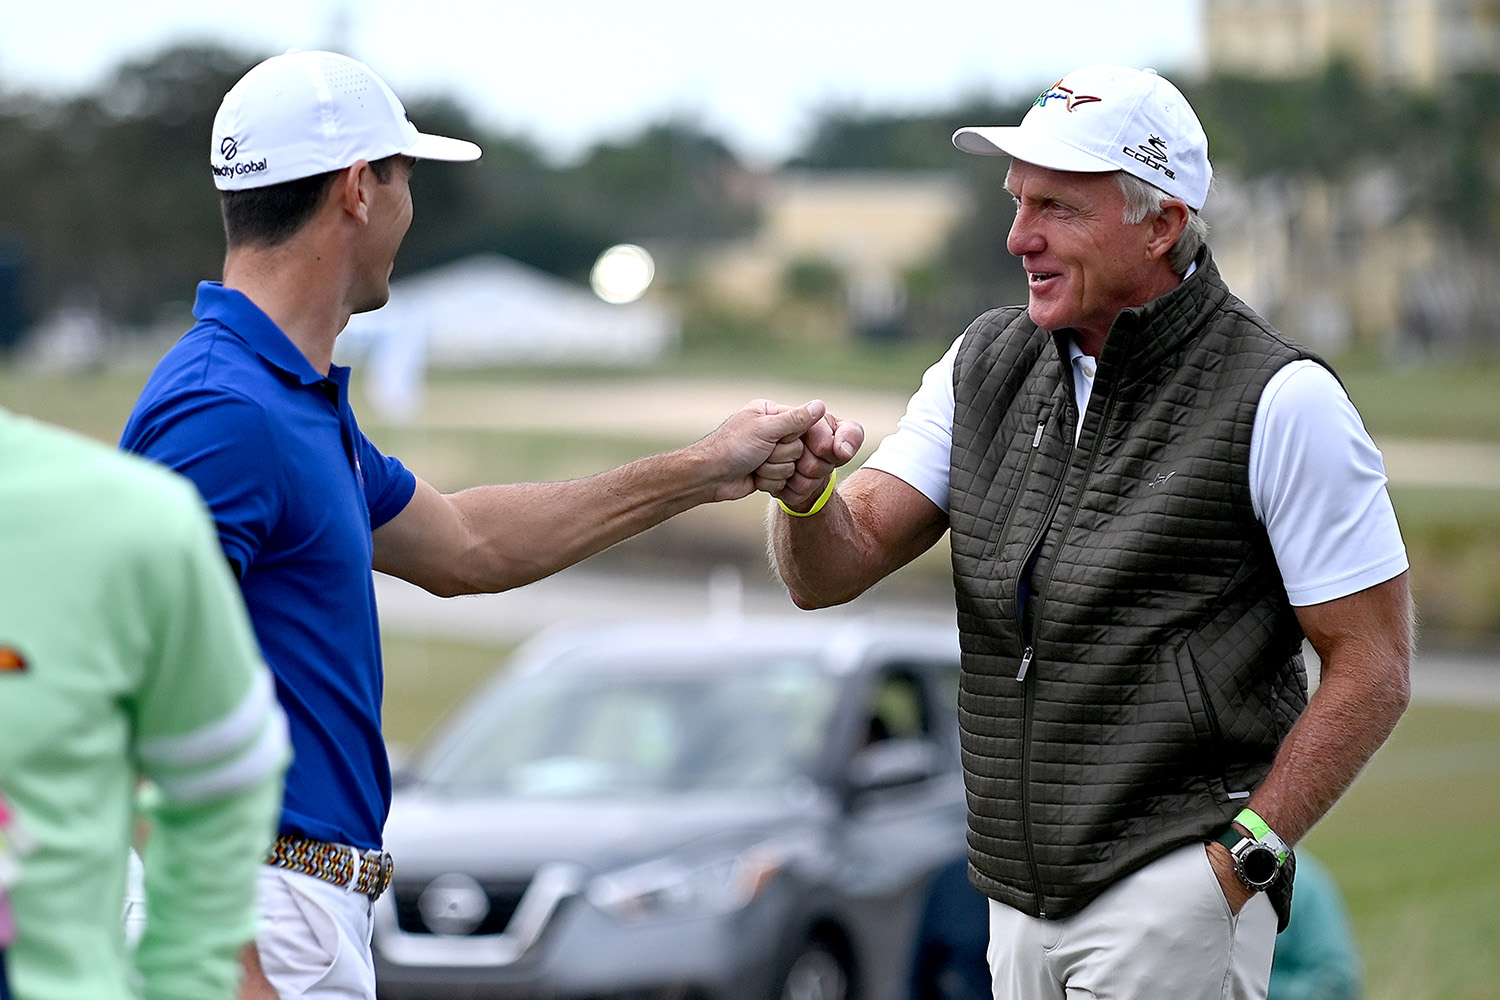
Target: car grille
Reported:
point(503, 896)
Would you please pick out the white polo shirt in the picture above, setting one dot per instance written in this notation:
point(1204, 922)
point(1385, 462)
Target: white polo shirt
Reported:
point(1317, 481)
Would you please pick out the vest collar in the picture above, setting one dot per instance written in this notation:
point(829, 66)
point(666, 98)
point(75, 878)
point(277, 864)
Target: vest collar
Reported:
point(1143, 336)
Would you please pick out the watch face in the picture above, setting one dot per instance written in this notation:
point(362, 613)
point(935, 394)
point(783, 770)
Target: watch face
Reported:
point(1257, 865)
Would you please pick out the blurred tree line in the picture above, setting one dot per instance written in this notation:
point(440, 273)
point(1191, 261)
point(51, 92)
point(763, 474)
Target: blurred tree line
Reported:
point(108, 202)
point(1446, 144)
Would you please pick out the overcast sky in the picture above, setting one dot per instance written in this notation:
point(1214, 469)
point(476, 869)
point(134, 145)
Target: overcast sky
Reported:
point(570, 72)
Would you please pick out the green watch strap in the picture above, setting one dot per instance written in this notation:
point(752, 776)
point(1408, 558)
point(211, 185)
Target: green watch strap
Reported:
point(1261, 831)
point(1229, 837)
point(1251, 821)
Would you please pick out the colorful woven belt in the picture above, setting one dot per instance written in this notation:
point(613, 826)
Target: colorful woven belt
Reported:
point(333, 863)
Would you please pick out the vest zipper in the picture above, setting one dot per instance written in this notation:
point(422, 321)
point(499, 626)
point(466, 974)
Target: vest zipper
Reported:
point(1023, 594)
point(1037, 595)
point(1036, 440)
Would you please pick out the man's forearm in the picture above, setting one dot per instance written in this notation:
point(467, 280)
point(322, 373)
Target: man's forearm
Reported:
point(814, 555)
point(871, 526)
point(494, 538)
point(1364, 642)
point(1346, 721)
point(524, 532)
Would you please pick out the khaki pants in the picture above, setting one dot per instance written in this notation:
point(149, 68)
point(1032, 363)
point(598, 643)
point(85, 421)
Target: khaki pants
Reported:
point(1162, 933)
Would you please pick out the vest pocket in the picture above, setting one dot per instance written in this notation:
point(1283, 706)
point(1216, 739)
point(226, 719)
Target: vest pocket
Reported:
point(1205, 719)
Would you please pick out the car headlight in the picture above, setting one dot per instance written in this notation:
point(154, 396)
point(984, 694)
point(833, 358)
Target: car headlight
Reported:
point(678, 884)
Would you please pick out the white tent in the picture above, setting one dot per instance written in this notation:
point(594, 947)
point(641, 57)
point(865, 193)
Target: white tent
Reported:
point(490, 309)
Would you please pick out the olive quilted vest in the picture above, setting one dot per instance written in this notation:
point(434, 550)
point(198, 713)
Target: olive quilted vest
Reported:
point(1142, 692)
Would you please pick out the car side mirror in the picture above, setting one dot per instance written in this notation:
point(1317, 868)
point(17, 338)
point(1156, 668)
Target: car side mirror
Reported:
point(893, 763)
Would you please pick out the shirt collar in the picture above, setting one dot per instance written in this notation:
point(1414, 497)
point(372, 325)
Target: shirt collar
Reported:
point(235, 312)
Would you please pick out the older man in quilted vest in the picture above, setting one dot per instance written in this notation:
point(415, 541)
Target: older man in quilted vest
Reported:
point(1153, 498)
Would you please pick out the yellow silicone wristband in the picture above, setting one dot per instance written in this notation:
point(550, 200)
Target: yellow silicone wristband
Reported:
point(833, 477)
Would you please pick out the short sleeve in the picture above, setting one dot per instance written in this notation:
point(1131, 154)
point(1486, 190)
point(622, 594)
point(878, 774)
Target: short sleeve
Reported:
point(919, 451)
point(389, 485)
point(221, 441)
point(1318, 483)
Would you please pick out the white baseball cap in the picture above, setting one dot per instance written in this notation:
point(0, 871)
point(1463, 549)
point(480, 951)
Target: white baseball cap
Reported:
point(1104, 118)
point(305, 113)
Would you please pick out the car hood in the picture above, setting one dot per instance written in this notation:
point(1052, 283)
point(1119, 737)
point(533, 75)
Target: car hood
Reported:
point(429, 833)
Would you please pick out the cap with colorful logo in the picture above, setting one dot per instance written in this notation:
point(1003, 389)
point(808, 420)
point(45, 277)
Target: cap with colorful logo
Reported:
point(305, 113)
point(1104, 118)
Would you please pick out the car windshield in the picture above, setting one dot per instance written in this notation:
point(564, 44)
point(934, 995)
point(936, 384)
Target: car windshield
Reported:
point(643, 731)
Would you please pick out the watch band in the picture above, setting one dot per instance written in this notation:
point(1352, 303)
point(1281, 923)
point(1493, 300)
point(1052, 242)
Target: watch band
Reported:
point(1256, 864)
point(1230, 838)
point(1250, 820)
point(1261, 831)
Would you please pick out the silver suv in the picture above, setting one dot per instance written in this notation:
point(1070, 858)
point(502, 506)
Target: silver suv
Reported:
point(710, 810)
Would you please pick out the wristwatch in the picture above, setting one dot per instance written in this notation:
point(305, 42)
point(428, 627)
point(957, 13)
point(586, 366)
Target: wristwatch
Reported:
point(1258, 857)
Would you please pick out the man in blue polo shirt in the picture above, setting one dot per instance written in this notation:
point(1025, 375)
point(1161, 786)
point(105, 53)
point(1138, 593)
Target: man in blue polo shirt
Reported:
point(311, 153)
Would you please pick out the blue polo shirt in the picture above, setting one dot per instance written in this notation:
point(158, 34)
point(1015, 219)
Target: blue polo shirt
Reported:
point(296, 490)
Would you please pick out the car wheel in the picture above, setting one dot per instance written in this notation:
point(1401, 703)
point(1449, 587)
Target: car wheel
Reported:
point(817, 974)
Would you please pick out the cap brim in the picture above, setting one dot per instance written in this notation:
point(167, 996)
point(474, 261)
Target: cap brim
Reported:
point(438, 147)
point(1030, 145)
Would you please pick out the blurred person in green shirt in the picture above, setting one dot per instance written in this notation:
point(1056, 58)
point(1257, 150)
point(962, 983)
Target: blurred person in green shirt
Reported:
point(1316, 957)
point(126, 654)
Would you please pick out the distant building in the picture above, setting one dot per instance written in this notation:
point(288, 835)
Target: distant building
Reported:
point(1333, 265)
point(489, 309)
point(871, 227)
point(1339, 264)
point(1418, 43)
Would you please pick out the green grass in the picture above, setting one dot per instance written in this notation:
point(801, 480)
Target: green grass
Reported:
point(1453, 542)
point(1415, 848)
point(1453, 534)
point(426, 678)
point(1456, 401)
point(1413, 845)
point(1452, 401)
point(452, 459)
point(1447, 401)
point(94, 402)
point(894, 366)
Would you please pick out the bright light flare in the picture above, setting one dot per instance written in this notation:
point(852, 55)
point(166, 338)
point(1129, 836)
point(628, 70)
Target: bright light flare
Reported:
point(622, 273)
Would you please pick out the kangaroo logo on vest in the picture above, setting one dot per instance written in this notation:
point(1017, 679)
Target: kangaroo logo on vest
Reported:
point(1160, 480)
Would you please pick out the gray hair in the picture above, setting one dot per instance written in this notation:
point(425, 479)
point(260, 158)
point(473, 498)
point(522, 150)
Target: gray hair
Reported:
point(1143, 200)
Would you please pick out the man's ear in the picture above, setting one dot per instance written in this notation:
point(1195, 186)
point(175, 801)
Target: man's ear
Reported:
point(1167, 227)
point(354, 189)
